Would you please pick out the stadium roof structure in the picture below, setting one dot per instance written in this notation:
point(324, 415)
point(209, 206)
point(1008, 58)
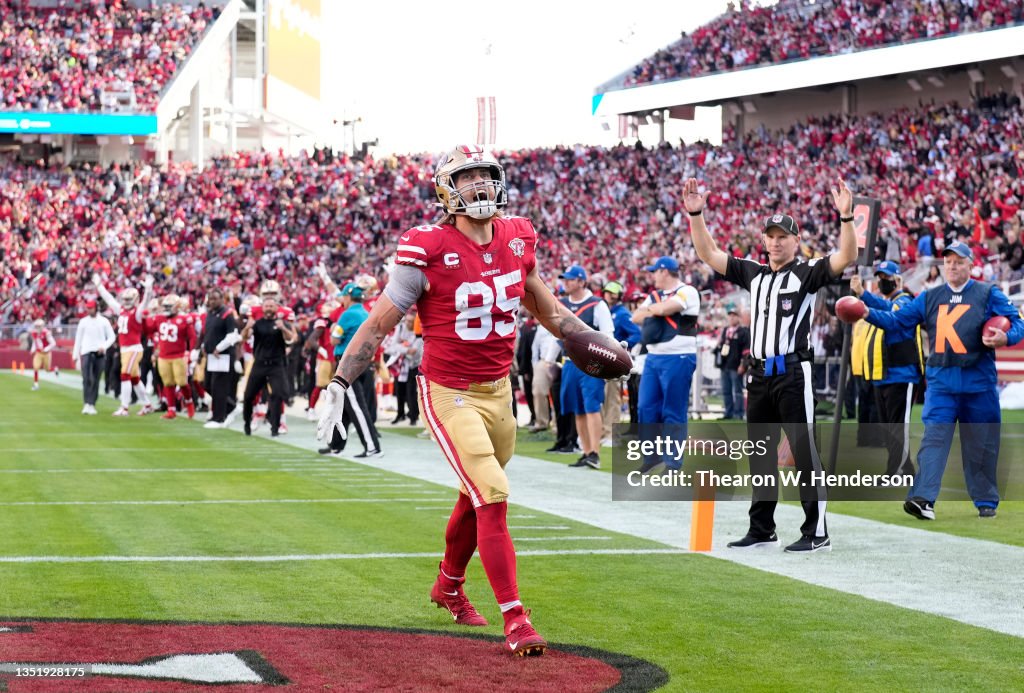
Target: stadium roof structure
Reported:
point(964, 51)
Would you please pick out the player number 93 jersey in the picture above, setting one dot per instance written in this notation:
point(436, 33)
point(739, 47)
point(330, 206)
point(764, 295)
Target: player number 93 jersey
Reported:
point(472, 299)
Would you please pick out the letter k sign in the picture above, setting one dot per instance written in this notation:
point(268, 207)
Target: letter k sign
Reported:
point(945, 329)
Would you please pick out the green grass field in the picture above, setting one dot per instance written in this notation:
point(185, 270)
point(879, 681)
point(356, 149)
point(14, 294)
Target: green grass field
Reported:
point(75, 486)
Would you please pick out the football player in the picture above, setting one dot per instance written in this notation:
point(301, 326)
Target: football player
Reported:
point(175, 334)
point(130, 326)
point(42, 347)
point(319, 342)
point(467, 275)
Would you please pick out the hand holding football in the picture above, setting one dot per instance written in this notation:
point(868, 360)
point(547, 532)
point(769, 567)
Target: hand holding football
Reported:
point(994, 331)
point(851, 309)
point(598, 354)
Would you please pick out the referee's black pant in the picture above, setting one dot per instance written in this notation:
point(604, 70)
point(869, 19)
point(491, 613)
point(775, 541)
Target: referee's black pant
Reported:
point(776, 404)
point(266, 372)
point(357, 412)
point(893, 403)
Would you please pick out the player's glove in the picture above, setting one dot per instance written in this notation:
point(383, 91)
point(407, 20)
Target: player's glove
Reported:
point(334, 398)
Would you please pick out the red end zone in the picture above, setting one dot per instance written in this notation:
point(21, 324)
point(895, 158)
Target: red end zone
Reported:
point(155, 656)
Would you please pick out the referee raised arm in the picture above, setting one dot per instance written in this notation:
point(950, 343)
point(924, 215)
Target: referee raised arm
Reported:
point(779, 392)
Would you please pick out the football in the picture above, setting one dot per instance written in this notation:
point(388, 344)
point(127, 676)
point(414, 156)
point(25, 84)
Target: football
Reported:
point(597, 354)
point(850, 309)
point(999, 322)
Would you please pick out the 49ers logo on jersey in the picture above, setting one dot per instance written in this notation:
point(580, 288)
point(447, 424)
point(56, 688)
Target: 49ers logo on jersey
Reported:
point(98, 656)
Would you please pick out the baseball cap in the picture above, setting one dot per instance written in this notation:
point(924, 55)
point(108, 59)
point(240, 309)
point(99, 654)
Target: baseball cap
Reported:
point(90, 303)
point(664, 262)
point(961, 249)
point(353, 290)
point(574, 272)
point(732, 311)
point(613, 288)
point(784, 222)
point(888, 267)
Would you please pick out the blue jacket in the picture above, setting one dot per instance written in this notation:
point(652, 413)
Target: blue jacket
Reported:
point(894, 374)
point(979, 377)
point(625, 329)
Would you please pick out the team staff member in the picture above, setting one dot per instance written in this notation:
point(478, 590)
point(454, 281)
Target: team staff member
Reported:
point(271, 327)
point(734, 348)
point(582, 395)
point(780, 389)
point(93, 337)
point(357, 408)
point(467, 275)
point(625, 331)
point(220, 335)
point(668, 320)
point(892, 361)
point(961, 373)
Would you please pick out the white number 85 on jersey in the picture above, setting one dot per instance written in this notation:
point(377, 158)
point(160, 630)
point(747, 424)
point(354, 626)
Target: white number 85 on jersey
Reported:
point(498, 297)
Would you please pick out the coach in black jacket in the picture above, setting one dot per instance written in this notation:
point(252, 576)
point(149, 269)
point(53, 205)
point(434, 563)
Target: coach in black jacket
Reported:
point(220, 335)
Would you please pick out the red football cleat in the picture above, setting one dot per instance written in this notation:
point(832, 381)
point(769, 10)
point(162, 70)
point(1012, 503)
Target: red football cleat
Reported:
point(464, 613)
point(522, 638)
point(169, 414)
point(191, 407)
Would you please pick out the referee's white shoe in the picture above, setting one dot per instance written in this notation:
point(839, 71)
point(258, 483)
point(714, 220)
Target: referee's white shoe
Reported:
point(752, 542)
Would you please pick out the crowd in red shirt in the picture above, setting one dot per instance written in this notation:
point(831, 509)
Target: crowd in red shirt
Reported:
point(748, 35)
point(942, 172)
point(65, 58)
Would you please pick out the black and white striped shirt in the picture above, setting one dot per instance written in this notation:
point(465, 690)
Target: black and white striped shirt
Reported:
point(781, 303)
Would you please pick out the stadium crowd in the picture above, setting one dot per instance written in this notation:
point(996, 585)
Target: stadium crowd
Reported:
point(943, 172)
point(66, 58)
point(750, 35)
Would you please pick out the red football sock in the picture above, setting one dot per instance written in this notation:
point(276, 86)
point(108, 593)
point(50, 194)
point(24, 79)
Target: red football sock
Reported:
point(186, 393)
point(496, 551)
point(36, 376)
point(459, 538)
point(135, 381)
point(315, 397)
point(200, 390)
point(170, 397)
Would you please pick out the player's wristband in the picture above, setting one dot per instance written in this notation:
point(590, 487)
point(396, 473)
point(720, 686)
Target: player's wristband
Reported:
point(340, 381)
point(697, 213)
point(845, 219)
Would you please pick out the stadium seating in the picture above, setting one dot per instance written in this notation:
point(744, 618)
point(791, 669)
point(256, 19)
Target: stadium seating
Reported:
point(746, 36)
point(942, 172)
point(104, 56)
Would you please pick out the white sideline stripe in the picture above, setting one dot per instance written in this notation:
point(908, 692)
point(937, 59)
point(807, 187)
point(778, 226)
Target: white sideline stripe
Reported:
point(252, 501)
point(316, 556)
point(539, 527)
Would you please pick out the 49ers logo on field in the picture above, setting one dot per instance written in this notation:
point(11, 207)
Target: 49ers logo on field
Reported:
point(127, 656)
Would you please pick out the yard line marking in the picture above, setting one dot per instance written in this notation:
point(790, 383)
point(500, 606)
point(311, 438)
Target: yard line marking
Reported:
point(150, 470)
point(319, 556)
point(225, 501)
point(563, 538)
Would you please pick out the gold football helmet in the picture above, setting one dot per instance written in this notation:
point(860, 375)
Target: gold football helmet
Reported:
point(481, 199)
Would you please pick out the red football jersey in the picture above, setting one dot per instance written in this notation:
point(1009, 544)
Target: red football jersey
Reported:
point(129, 328)
point(42, 341)
point(324, 346)
point(469, 309)
point(175, 335)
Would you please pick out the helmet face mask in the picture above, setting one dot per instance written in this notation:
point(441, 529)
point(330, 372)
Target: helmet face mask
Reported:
point(270, 289)
point(480, 199)
point(169, 304)
point(129, 297)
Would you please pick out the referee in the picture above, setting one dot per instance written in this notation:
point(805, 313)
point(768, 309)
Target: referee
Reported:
point(780, 390)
